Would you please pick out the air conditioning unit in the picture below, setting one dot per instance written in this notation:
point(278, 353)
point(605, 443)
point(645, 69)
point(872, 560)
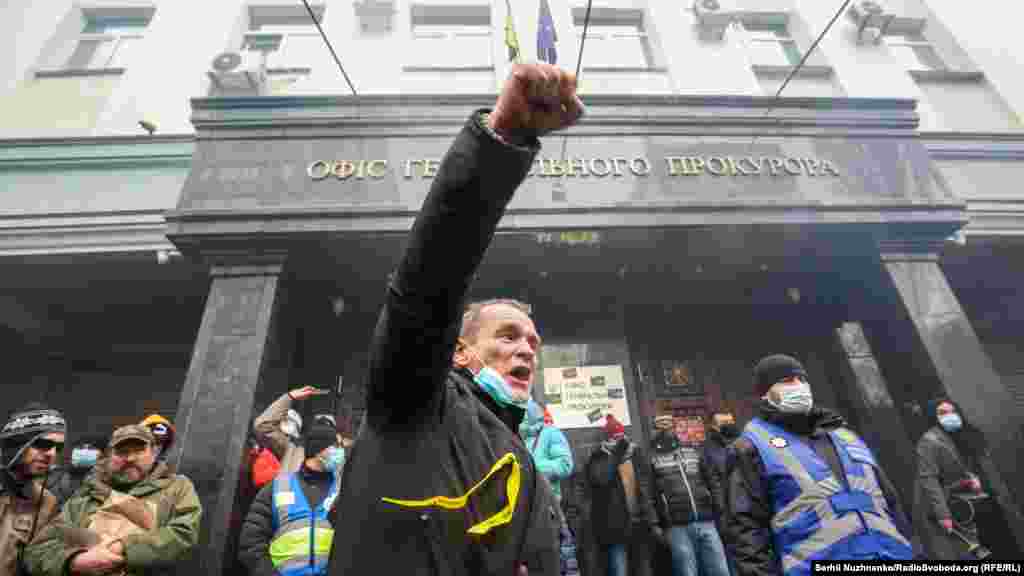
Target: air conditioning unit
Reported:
point(714, 17)
point(872, 20)
point(715, 13)
point(245, 70)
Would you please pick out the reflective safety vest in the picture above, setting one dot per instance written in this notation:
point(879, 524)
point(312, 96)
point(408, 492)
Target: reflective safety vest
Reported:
point(302, 536)
point(814, 515)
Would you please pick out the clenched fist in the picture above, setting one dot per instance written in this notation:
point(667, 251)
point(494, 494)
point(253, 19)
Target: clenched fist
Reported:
point(536, 99)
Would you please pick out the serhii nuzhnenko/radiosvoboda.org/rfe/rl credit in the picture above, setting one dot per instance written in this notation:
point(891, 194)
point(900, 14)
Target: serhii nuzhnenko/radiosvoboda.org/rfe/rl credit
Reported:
point(966, 567)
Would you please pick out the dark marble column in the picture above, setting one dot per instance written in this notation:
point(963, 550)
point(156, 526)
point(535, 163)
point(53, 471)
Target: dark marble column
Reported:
point(215, 410)
point(878, 419)
point(964, 368)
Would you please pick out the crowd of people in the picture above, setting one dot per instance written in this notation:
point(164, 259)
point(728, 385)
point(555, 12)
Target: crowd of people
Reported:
point(456, 470)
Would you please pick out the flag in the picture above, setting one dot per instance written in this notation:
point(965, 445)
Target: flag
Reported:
point(546, 36)
point(511, 40)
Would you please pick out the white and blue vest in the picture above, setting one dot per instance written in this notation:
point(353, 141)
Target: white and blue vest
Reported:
point(816, 517)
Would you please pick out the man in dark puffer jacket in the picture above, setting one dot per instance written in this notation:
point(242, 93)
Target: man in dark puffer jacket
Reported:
point(439, 482)
point(682, 498)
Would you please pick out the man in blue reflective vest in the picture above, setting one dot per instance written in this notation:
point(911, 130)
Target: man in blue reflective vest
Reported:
point(289, 529)
point(803, 487)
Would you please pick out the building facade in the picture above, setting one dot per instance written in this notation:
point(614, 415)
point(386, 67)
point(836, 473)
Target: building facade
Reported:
point(198, 213)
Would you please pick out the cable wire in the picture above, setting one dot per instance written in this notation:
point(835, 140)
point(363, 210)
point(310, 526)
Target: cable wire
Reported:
point(329, 47)
point(793, 72)
point(579, 62)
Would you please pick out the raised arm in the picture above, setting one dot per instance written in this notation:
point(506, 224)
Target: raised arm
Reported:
point(415, 336)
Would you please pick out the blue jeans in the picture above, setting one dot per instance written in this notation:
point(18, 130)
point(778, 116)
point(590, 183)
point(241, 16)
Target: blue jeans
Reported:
point(617, 565)
point(697, 544)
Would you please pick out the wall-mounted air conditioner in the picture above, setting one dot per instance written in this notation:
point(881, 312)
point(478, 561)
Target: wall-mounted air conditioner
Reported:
point(243, 70)
point(714, 16)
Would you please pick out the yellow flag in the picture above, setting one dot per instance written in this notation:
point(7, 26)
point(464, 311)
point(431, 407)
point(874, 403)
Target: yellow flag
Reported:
point(511, 40)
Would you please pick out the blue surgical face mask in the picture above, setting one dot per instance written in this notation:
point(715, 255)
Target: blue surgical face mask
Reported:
point(496, 387)
point(950, 422)
point(84, 457)
point(334, 457)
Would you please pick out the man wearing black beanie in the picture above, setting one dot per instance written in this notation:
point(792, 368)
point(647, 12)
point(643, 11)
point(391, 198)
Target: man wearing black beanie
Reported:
point(805, 487)
point(32, 440)
point(294, 515)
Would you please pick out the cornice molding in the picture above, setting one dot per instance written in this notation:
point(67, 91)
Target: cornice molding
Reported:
point(419, 112)
point(36, 234)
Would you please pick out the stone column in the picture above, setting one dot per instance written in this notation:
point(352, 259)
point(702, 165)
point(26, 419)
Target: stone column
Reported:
point(962, 365)
point(215, 411)
point(881, 424)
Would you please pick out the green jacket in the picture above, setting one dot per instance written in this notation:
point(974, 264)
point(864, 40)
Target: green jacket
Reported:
point(178, 517)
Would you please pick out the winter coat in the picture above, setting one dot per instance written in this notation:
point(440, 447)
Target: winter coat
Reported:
point(429, 430)
point(609, 512)
point(178, 514)
point(267, 429)
point(18, 507)
point(749, 505)
point(550, 448)
point(716, 454)
point(258, 530)
point(66, 482)
point(939, 467)
point(679, 500)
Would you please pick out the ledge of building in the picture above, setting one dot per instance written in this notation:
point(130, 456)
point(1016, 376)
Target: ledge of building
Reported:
point(82, 233)
point(754, 113)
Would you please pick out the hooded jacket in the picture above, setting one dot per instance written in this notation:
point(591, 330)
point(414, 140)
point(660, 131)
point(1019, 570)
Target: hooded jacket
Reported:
point(749, 504)
point(178, 514)
point(941, 466)
point(429, 488)
point(549, 446)
point(680, 486)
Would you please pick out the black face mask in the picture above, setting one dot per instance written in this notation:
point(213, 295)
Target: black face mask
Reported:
point(730, 431)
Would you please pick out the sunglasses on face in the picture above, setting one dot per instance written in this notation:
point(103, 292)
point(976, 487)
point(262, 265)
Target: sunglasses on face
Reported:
point(44, 445)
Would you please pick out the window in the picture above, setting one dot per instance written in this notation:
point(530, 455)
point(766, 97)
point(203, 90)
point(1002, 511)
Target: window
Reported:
point(769, 42)
point(106, 37)
point(289, 37)
point(451, 38)
point(616, 40)
point(914, 52)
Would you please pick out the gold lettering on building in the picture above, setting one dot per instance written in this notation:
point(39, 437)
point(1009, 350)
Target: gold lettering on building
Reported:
point(619, 166)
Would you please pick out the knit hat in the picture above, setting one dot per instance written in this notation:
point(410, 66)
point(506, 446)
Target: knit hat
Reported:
point(774, 368)
point(613, 428)
point(319, 436)
point(25, 426)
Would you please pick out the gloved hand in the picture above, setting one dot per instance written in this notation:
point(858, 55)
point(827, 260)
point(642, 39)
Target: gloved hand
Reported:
point(947, 524)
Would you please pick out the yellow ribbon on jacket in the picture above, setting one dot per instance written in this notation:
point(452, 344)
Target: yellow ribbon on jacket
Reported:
point(504, 516)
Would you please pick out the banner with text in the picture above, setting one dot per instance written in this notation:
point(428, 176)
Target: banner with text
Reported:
point(581, 396)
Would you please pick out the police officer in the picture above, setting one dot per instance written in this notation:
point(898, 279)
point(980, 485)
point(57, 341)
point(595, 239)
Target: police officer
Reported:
point(289, 529)
point(804, 487)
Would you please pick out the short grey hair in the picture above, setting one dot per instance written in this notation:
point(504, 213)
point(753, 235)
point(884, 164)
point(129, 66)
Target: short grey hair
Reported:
point(471, 315)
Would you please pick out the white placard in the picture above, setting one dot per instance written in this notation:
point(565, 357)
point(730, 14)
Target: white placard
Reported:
point(581, 396)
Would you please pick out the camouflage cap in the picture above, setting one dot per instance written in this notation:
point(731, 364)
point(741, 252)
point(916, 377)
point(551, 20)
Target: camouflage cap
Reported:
point(131, 432)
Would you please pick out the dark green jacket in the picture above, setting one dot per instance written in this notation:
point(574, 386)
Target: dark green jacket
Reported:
point(178, 515)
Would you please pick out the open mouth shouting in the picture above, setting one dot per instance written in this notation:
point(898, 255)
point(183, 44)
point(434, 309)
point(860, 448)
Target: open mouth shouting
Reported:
point(519, 378)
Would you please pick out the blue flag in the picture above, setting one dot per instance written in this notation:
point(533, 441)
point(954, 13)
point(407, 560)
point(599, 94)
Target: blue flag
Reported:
point(546, 36)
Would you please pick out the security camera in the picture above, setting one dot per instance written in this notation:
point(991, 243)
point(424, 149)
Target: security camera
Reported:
point(148, 126)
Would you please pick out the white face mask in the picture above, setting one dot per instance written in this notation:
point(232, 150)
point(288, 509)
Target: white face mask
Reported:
point(794, 399)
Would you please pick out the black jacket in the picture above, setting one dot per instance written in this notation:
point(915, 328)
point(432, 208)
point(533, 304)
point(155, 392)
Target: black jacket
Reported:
point(676, 497)
point(429, 430)
point(609, 514)
point(715, 455)
point(749, 510)
point(258, 529)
